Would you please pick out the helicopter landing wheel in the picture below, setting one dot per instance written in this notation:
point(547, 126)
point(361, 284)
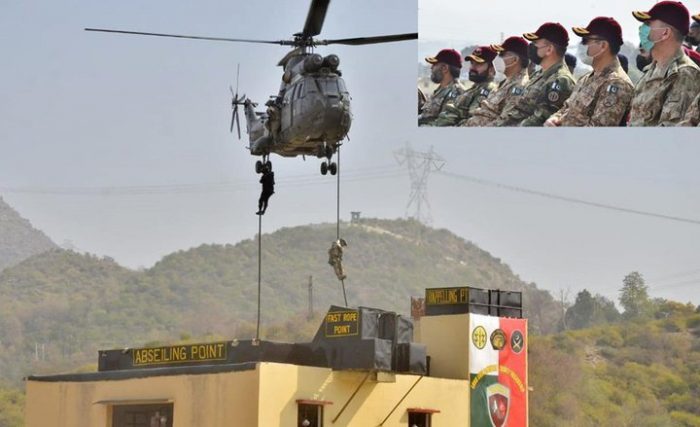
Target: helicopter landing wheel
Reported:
point(324, 168)
point(333, 168)
point(268, 165)
point(258, 167)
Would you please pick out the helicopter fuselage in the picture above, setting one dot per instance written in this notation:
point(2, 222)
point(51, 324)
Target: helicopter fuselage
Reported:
point(309, 116)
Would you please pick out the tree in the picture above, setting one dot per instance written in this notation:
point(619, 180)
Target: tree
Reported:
point(580, 315)
point(634, 297)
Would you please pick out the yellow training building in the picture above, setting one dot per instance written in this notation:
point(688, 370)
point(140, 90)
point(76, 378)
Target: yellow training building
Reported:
point(363, 368)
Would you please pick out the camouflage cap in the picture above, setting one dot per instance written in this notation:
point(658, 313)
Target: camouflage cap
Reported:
point(447, 56)
point(673, 13)
point(515, 44)
point(604, 27)
point(554, 32)
point(482, 54)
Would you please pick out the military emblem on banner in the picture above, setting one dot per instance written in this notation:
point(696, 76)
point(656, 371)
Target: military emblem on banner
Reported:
point(517, 342)
point(498, 339)
point(498, 399)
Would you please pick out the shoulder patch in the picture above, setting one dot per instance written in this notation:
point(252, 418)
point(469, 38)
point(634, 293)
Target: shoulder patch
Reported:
point(517, 91)
point(553, 96)
point(613, 88)
point(484, 92)
point(556, 86)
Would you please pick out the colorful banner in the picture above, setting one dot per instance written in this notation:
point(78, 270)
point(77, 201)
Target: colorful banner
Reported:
point(498, 371)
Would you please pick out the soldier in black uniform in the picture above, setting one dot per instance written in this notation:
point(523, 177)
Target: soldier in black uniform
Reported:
point(268, 189)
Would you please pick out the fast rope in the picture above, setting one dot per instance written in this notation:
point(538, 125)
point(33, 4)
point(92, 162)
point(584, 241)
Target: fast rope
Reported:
point(337, 219)
point(257, 329)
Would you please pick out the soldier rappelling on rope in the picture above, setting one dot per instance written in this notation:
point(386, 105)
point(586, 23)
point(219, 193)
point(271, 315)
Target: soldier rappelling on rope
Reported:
point(268, 189)
point(335, 257)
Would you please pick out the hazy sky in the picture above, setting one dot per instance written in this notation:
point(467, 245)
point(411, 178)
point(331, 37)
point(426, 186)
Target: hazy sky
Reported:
point(88, 120)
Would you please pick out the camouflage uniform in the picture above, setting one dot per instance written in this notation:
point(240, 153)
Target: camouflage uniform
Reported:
point(335, 258)
point(692, 117)
point(598, 99)
point(441, 96)
point(508, 92)
point(544, 94)
point(663, 94)
point(457, 112)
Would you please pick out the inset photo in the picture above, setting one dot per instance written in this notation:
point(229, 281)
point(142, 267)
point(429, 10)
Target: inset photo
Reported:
point(602, 64)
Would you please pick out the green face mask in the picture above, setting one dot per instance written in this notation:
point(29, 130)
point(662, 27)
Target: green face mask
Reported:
point(644, 41)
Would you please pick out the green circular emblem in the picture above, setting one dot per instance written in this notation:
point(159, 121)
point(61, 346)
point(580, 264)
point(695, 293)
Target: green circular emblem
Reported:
point(479, 337)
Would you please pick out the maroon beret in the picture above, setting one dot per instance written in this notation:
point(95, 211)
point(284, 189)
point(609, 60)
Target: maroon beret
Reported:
point(517, 45)
point(552, 31)
point(447, 56)
point(482, 54)
point(671, 12)
point(693, 55)
point(604, 27)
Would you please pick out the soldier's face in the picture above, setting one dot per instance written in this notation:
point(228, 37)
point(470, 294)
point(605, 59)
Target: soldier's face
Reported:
point(658, 31)
point(437, 72)
point(693, 36)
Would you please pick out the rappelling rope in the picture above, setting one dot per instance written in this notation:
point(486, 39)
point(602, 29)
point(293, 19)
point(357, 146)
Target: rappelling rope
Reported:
point(337, 219)
point(257, 329)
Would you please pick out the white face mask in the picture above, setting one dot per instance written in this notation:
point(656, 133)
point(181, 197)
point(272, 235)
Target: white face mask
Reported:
point(582, 52)
point(499, 65)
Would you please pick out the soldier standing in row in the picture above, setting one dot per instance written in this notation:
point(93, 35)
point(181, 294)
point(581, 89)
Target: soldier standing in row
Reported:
point(601, 97)
point(513, 55)
point(693, 37)
point(335, 258)
point(445, 69)
point(481, 74)
point(549, 87)
point(672, 81)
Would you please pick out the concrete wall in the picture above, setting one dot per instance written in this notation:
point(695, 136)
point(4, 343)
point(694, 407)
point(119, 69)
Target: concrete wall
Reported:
point(223, 399)
point(447, 340)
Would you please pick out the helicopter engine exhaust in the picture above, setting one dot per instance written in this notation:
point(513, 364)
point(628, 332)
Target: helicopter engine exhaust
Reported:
point(313, 63)
point(331, 61)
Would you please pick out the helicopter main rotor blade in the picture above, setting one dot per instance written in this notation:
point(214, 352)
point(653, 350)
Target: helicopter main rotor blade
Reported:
point(180, 36)
point(238, 123)
point(315, 17)
point(358, 41)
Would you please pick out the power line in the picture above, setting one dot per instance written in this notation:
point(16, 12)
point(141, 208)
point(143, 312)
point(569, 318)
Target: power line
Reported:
point(553, 196)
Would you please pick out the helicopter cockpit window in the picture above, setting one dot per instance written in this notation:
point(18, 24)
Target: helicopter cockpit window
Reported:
point(329, 86)
point(341, 86)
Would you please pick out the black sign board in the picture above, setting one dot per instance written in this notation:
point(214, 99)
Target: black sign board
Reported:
point(466, 299)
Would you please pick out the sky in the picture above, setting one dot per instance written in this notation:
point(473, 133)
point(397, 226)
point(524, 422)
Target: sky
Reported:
point(120, 145)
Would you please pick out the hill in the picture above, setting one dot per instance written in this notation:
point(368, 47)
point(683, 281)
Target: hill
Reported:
point(58, 308)
point(642, 374)
point(18, 239)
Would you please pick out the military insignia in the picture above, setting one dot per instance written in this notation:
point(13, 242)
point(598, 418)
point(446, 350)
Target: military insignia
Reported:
point(517, 91)
point(556, 86)
point(610, 100)
point(553, 96)
point(613, 89)
point(498, 339)
point(484, 92)
point(479, 337)
point(517, 342)
point(498, 399)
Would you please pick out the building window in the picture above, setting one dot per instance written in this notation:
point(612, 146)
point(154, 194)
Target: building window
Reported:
point(310, 415)
point(160, 415)
point(420, 417)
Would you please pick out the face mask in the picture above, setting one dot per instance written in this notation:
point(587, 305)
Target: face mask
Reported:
point(500, 65)
point(642, 62)
point(583, 53)
point(644, 41)
point(532, 54)
point(476, 77)
point(437, 75)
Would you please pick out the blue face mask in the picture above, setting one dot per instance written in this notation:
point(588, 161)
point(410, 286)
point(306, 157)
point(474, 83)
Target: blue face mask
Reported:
point(644, 41)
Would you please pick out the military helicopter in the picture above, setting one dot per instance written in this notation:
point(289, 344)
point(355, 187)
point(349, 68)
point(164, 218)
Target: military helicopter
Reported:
point(310, 115)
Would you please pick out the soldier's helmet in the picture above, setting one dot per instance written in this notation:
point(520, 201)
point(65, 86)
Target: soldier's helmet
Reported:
point(673, 13)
